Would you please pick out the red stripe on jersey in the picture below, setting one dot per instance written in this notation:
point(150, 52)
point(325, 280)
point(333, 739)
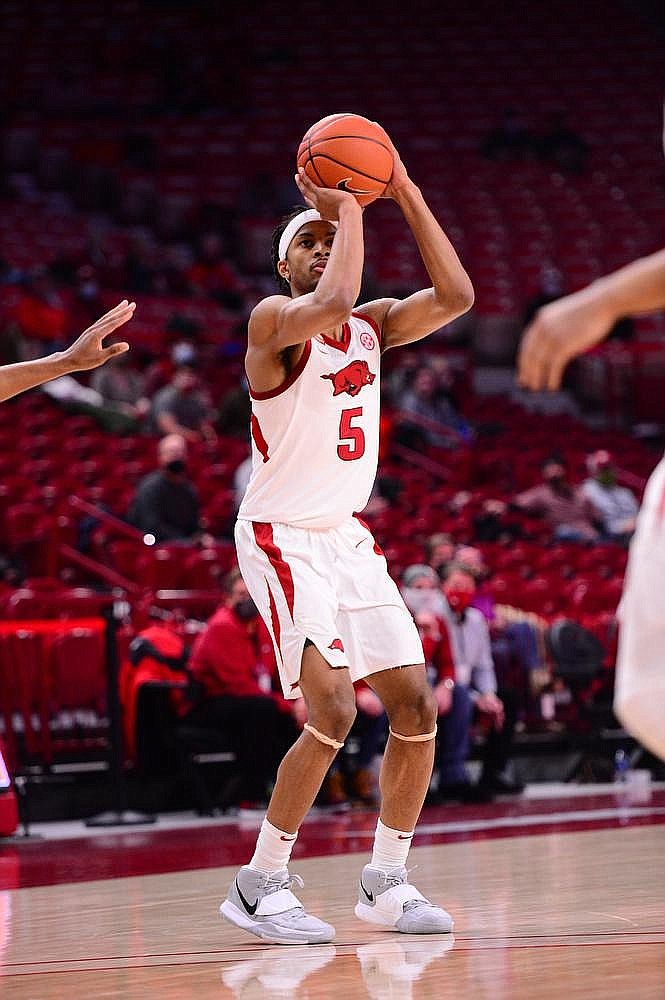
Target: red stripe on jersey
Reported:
point(288, 382)
point(266, 542)
point(377, 548)
point(341, 345)
point(258, 437)
point(372, 323)
point(274, 618)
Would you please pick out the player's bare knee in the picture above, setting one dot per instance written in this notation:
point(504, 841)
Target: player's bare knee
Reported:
point(415, 715)
point(334, 715)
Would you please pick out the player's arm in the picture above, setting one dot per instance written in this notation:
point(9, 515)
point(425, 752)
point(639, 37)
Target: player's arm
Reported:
point(563, 329)
point(279, 321)
point(403, 321)
point(85, 353)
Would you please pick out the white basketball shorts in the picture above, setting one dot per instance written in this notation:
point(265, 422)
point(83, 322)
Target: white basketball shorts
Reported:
point(639, 697)
point(331, 587)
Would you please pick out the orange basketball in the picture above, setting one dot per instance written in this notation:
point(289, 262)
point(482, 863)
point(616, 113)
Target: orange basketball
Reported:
point(349, 152)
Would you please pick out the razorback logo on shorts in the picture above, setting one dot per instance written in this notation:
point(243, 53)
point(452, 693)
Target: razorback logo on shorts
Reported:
point(337, 644)
point(351, 378)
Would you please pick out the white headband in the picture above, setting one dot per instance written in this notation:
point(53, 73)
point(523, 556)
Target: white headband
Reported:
point(296, 223)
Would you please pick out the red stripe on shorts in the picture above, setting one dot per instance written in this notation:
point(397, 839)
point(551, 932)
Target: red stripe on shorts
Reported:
point(274, 618)
point(265, 541)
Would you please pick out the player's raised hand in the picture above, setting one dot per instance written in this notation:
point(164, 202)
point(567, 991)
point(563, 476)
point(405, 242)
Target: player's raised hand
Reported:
point(326, 201)
point(559, 332)
point(399, 178)
point(88, 350)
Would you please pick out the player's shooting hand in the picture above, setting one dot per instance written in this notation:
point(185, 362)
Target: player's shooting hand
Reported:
point(559, 332)
point(399, 179)
point(88, 351)
point(327, 201)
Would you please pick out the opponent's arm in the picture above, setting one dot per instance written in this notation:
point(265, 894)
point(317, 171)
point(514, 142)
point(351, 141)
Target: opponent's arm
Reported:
point(403, 321)
point(563, 329)
point(86, 352)
point(278, 321)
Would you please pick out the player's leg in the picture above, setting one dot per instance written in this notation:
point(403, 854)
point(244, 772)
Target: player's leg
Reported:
point(331, 709)
point(260, 898)
point(385, 896)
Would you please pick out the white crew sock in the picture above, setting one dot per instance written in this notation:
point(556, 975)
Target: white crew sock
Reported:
point(391, 847)
point(273, 849)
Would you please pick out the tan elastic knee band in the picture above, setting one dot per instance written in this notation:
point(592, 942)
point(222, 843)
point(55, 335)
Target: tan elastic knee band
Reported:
point(422, 738)
point(322, 738)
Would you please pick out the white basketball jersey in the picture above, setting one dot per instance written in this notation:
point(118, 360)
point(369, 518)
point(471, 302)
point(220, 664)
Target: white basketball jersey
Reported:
point(315, 438)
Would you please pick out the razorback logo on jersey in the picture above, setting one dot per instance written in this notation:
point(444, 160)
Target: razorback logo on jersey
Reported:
point(351, 378)
point(337, 644)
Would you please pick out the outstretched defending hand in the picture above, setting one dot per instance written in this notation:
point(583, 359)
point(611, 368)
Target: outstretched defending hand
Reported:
point(559, 332)
point(87, 351)
point(327, 201)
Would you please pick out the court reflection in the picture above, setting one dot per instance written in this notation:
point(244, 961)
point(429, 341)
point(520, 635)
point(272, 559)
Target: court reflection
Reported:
point(390, 968)
point(277, 972)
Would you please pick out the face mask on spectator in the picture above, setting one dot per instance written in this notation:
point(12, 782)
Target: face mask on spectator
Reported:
point(606, 477)
point(246, 609)
point(419, 599)
point(177, 467)
point(459, 600)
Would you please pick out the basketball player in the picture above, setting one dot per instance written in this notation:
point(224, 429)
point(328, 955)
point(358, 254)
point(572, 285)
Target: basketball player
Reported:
point(85, 353)
point(559, 332)
point(314, 570)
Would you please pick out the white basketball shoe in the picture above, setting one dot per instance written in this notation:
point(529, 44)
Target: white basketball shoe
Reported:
point(388, 900)
point(265, 906)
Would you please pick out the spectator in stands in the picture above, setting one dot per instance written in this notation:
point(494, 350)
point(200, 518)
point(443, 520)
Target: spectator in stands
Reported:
point(473, 694)
point(40, 322)
point(166, 503)
point(232, 660)
point(616, 504)
point(121, 385)
point(439, 550)
point(420, 589)
point(182, 407)
point(511, 139)
point(435, 421)
point(562, 146)
point(161, 371)
point(567, 509)
point(212, 276)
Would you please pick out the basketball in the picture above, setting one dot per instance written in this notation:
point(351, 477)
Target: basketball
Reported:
point(349, 152)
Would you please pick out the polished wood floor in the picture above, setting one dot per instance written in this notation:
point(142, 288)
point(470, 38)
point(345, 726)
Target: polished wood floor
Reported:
point(574, 915)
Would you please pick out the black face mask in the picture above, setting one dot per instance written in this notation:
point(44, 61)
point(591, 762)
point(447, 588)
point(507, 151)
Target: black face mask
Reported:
point(177, 467)
point(246, 609)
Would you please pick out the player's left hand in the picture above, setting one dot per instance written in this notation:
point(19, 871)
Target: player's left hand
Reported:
point(88, 351)
point(399, 178)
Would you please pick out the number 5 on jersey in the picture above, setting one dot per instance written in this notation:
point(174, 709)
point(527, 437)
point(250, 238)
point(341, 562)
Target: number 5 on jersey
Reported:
point(351, 438)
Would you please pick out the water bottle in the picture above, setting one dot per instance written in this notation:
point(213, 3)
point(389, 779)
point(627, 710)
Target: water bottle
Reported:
point(621, 767)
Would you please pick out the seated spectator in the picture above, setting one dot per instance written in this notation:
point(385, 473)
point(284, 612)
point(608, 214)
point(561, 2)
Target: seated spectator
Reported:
point(232, 660)
point(472, 694)
point(510, 139)
point(567, 509)
point(121, 385)
point(494, 523)
point(436, 421)
point(439, 550)
point(212, 276)
point(40, 322)
point(166, 503)
point(616, 504)
point(419, 587)
point(562, 146)
point(182, 407)
point(162, 369)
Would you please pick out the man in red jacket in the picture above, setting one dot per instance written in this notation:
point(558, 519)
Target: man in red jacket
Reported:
point(233, 661)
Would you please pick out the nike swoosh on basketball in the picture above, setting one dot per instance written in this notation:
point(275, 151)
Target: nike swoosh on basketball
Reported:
point(343, 185)
point(251, 908)
point(370, 895)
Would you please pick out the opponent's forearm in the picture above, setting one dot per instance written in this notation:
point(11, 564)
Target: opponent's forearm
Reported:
point(444, 267)
point(634, 289)
point(28, 374)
